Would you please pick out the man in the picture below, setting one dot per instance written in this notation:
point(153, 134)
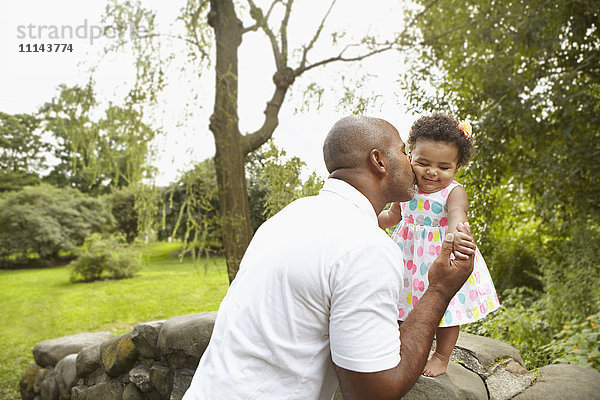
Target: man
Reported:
point(315, 299)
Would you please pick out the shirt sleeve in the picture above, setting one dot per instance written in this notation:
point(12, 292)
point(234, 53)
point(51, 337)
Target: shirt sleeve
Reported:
point(365, 290)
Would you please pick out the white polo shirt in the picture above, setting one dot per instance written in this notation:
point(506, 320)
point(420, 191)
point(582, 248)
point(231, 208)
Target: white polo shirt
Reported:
point(319, 284)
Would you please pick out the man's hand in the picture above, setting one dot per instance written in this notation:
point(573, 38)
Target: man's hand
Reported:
point(446, 276)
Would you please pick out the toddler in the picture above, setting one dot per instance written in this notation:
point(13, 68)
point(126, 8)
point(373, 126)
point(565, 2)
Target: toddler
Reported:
point(439, 146)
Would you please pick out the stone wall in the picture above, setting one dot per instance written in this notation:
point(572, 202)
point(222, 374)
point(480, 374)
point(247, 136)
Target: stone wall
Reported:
point(157, 360)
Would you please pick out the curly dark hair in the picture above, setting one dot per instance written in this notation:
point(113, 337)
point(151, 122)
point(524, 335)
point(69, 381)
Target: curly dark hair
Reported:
point(442, 128)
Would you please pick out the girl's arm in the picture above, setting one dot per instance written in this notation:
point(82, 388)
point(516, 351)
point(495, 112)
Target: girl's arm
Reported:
point(458, 205)
point(390, 217)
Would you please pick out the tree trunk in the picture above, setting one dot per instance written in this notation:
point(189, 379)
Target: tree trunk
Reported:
point(230, 153)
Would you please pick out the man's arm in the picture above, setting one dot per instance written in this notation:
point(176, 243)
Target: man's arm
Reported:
point(445, 278)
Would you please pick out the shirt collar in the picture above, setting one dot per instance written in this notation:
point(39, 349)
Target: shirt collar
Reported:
point(351, 194)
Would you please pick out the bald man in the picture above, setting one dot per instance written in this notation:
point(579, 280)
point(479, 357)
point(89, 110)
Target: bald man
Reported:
point(315, 301)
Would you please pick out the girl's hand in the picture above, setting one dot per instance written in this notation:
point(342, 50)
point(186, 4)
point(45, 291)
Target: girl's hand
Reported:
point(464, 247)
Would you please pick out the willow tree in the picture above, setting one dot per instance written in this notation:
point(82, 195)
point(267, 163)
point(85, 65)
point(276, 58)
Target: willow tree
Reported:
point(214, 30)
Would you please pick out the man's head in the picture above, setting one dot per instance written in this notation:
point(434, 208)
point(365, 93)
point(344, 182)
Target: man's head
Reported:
point(366, 151)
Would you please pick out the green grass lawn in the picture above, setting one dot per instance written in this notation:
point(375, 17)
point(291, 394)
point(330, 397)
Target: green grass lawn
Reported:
point(40, 304)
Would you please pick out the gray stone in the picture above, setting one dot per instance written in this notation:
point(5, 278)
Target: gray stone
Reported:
point(118, 355)
point(507, 379)
point(66, 376)
point(111, 390)
point(145, 338)
point(183, 339)
point(39, 378)
point(48, 387)
point(132, 392)
point(485, 350)
point(563, 381)
point(27, 382)
point(88, 359)
point(181, 382)
point(140, 376)
point(96, 377)
point(457, 383)
point(79, 392)
point(49, 352)
point(162, 378)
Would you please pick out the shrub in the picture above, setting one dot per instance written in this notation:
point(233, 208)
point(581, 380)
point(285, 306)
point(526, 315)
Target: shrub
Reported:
point(47, 220)
point(100, 257)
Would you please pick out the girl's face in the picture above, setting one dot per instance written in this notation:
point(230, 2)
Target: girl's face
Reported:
point(434, 164)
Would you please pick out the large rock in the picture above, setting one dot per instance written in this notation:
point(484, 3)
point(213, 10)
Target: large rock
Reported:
point(145, 338)
point(183, 339)
point(88, 360)
point(457, 383)
point(563, 381)
point(66, 377)
point(478, 353)
point(49, 352)
point(118, 355)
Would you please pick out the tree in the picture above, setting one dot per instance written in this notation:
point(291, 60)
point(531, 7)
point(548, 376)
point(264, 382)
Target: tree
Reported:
point(95, 155)
point(21, 151)
point(46, 220)
point(222, 24)
point(528, 73)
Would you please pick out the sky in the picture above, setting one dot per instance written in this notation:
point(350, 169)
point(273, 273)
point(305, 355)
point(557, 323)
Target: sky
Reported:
point(28, 80)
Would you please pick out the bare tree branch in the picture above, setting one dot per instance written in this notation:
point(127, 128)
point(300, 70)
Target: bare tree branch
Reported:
point(316, 36)
point(340, 57)
point(283, 31)
point(266, 19)
point(257, 14)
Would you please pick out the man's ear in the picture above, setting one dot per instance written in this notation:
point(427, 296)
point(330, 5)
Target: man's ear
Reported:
point(378, 161)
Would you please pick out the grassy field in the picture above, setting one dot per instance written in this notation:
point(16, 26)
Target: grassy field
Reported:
point(39, 304)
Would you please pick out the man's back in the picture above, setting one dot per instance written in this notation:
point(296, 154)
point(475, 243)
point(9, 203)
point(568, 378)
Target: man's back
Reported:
point(314, 276)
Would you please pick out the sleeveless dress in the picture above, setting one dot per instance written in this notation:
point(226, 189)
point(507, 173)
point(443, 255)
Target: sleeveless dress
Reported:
point(419, 235)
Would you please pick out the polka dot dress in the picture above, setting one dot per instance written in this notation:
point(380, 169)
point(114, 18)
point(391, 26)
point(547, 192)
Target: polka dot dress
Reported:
point(420, 234)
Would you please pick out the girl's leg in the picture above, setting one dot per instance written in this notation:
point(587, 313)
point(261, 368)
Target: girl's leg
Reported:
point(445, 339)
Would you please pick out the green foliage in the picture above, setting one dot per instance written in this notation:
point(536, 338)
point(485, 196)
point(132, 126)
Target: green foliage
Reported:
point(46, 220)
point(578, 343)
point(21, 151)
point(528, 73)
point(104, 257)
point(122, 205)
point(94, 155)
point(571, 275)
point(282, 180)
point(190, 210)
